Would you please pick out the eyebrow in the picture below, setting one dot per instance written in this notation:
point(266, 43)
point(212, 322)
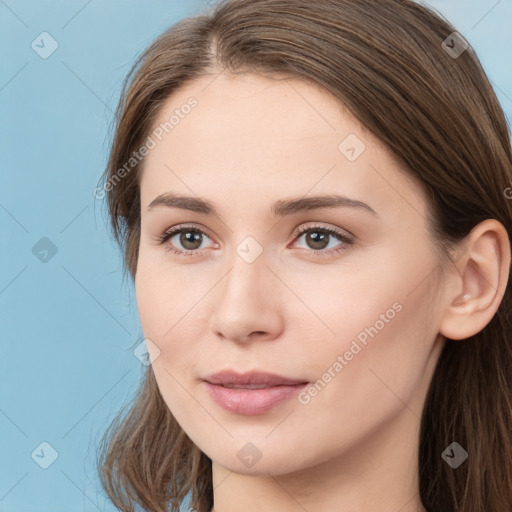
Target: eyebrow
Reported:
point(280, 208)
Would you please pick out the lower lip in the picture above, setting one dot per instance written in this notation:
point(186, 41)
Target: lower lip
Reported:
point(251, 401)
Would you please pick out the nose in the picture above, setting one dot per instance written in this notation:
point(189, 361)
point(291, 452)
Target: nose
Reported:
point(247, 303)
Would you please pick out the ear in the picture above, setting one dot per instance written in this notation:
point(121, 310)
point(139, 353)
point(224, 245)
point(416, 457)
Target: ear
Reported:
point(480, 281)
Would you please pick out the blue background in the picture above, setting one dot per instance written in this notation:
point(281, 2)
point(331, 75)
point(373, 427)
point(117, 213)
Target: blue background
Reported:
point(69, 325)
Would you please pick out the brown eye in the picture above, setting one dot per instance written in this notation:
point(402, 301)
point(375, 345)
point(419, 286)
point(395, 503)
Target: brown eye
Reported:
point(318, 238)
point(189, 239)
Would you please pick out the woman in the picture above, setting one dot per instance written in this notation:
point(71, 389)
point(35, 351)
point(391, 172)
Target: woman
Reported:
point(312, 202)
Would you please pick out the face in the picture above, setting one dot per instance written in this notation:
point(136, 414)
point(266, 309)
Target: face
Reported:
point(338, 295)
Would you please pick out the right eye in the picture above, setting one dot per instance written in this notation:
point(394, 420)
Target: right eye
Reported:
point(189, 236)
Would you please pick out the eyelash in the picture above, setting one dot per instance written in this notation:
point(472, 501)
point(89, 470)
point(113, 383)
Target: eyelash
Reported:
point(347, 241)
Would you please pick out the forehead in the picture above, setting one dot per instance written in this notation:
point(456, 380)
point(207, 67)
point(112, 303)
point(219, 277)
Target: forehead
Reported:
point(249, 106)
point(250, 134)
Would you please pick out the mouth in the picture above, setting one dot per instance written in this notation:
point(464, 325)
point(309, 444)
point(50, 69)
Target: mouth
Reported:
point(251, 393)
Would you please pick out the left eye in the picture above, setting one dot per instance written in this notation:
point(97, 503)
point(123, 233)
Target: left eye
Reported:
point(319, 237)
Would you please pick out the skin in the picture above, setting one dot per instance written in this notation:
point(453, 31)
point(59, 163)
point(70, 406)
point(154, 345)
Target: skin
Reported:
point(249, 142)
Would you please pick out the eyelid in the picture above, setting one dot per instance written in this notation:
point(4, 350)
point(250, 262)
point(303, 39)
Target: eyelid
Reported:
point(306, 226)
point(161, 238)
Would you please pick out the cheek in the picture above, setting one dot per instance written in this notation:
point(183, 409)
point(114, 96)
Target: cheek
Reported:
point(362, 386)
point(174, 317)
point(166, 319)
point(379, 336)
point(150, 299)
point(165, 296)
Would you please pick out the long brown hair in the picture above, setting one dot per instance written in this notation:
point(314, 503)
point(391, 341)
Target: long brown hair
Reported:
point(386, 62)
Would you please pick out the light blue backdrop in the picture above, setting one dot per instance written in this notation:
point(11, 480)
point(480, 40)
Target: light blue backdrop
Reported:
point(68, 323)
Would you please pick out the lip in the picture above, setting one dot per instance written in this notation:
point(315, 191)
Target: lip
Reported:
point(251, 393)
point(255, 377)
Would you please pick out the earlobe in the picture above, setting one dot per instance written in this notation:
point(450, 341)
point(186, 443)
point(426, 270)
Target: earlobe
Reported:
point(480, 281)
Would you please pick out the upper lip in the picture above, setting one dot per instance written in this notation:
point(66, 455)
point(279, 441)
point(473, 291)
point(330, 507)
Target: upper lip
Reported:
point(259, 378)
